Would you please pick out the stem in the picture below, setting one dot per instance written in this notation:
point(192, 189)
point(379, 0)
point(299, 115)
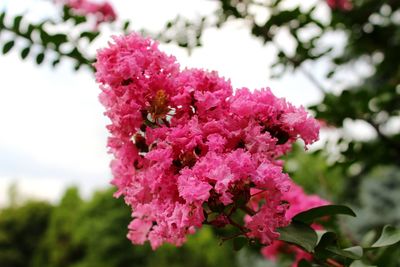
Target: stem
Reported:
point(306, 73)
point(248, 210)
point(313, 80)
point(80, 59)
point(382, 135)
point(262, 191)
point(223, 239)
point(332, 262)
point(242, 229)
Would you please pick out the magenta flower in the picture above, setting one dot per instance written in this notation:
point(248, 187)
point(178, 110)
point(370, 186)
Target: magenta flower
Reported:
point(340, 4)
point(298, 201)
point(102, 11)
point(188, 152)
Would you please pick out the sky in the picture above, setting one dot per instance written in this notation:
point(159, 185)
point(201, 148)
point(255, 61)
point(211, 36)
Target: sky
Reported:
point(52, 125)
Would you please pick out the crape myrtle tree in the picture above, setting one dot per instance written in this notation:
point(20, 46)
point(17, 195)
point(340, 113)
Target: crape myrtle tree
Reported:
point(169, 127)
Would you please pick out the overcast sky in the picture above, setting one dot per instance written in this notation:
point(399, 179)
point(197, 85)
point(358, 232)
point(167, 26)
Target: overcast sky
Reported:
point(52, 128)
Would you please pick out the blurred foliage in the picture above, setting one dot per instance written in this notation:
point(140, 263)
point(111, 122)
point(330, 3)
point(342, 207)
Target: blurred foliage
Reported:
point(87, 233)
point(21, 229)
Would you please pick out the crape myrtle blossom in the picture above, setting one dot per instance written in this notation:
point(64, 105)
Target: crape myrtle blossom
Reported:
point(340, 4)
point(188, 151)
point(102, 11)
point(298, 202)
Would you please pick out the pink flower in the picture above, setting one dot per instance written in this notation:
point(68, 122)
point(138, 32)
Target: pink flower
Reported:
point(298, 202)
point(186, 149)
point(340, 4)
point(102, 11)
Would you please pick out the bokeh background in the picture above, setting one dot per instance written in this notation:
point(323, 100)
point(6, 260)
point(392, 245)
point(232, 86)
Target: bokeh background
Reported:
point(342, 62)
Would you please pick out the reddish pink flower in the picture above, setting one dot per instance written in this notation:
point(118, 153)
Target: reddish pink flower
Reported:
point(298, 201)
point(187, 150)
point(102, 11)
point(340, 4)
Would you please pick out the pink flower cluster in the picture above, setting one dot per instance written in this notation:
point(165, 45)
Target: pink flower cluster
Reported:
point(102, 11)
point(188, 152)
point(340, 4)
point(298, 202)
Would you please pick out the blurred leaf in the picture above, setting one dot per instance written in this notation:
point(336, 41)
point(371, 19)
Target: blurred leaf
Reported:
point(39, 58)
point(389, 236)
point(8, 46)
point(56, 62)
point(58, 39)
point(360, 264)
point(329, 210)
point(354, 253)
point(2, 16)
point(126, 25)
point(79, 19)
point(299, 234)
point(89, 35)
point(25, 52)
point(17, 23)
point(239, 243)
point(304, 263)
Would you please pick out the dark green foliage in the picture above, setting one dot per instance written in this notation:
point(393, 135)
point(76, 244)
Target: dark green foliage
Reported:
point(78, 233)
point(299, 234)
point(37, 35)
point(7, 46)
point(311, 215)
point(21, 230)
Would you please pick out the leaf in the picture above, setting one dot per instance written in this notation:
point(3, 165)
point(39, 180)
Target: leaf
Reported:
point(17, 23)
point(304, 263)
point(39, 58)
point(2, 16)
point(58, 39)
point(360, 264)
point(354, 253)
point(310, 215)
point(56, 62)
point(299, 234)
point(390, 235)
point(7, 46)
point(25, 52)
point(126, 25)
point(239, 243)
point(325, 240)
point(78, 19)
point(90, 35)
point(44, 36)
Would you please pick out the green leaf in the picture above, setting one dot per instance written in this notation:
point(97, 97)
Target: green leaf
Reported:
point(299, 234)
point(44, 36)
point(56, 62)
point(90, 35)
point(2, 16)
point(58, 39)
point(325, 240)
point(25, 52)
point(360, 264)
point(39, 58)
point(17, 23)
point(239, 243)
point(7, 46)
point(390, 235)
point(304, 263)
point(310, 215)
point(79, 19)
point(28, 31)
point(126, 25)
point(354, 253)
